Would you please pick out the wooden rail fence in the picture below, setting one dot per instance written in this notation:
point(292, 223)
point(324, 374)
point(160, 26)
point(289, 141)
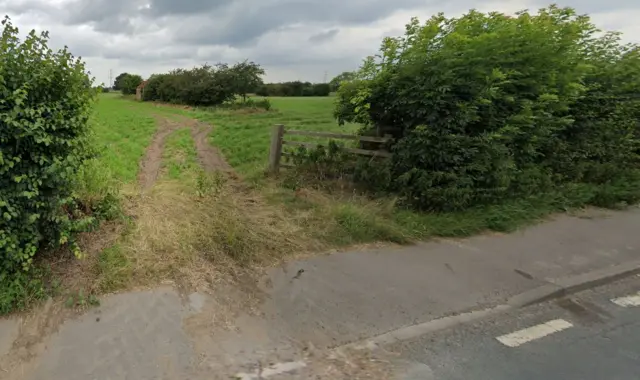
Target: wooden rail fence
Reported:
point(278, 140)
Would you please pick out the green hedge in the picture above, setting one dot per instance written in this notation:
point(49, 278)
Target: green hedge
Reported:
point(45, 102)
point(489, 106)
point(206, 85)
point(200, 86)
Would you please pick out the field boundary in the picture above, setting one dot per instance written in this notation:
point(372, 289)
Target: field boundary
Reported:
point(278, 140)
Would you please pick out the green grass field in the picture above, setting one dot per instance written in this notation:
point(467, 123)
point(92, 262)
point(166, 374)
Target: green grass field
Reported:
point(244, 137)
point(122, 134)
point(179, 157)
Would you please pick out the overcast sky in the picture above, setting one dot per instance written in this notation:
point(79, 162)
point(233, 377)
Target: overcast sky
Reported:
point(292, 39)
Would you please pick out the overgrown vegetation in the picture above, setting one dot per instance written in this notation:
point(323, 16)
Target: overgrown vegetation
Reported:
point(490, 107)
point(191, 227)
point(44, 148)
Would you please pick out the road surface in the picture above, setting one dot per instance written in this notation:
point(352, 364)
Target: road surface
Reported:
point(593, 335)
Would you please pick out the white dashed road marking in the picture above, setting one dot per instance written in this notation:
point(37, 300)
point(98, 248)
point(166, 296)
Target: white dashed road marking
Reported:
point(628, 301)
point(274, 369)
point(520, 337)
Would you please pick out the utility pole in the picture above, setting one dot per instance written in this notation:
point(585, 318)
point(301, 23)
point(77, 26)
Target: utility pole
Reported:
point(110, 78)
point(325, 76)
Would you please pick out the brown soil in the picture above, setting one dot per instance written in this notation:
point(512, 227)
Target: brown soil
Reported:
point(209, 156)
point(170, 105)
point(152, 162)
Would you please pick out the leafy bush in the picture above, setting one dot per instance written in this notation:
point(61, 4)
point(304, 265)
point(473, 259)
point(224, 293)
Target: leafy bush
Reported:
point(200, 86)
point(127, 83)
point(152, 91)
point(336, 82)
point(204, 86)
point(264, 104)
point(130, 84)
point(332, 162)
point(329, 162)
point(489, 106)
point(118, 83)
point(46, 103)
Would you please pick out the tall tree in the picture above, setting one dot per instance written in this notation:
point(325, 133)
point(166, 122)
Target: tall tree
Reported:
point(130, 83)
point(344, 77)
point(119, 82)
point(247, 77)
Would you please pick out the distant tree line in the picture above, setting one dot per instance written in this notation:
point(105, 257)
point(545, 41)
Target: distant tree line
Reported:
point(200, 86)
point(127, 83)
point(295, 88)
point(213, 85)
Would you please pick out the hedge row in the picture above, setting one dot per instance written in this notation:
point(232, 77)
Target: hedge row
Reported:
point(487, 107)
point(204, 86)
point(44, 109)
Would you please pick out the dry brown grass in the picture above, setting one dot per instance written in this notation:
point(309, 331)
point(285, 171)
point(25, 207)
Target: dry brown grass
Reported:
point(197, 235)
point(339, 219)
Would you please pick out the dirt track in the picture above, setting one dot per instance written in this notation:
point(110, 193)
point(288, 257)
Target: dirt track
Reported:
point(209, 157)
point(152, 161)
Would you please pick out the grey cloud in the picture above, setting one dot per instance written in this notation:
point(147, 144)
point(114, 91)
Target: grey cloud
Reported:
point(324, 36)
point(110, 16)
point(592, 6)
point(79, 48)
point(25, 6)
point(239, 23)
point(154, 34)
point(172, 7)
point(83, 11)
point(228, 22)
point(239, 26)
point(151, 55)
point(290, 59)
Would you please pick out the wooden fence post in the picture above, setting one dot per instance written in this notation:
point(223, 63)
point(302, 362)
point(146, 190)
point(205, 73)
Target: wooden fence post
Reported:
point(276, 148)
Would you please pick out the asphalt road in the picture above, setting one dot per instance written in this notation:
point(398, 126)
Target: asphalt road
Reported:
point(592, 335)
